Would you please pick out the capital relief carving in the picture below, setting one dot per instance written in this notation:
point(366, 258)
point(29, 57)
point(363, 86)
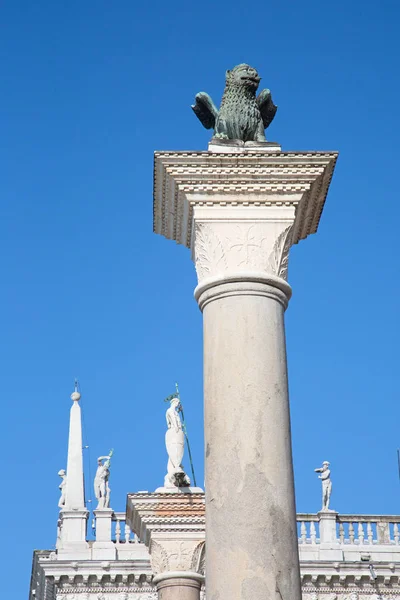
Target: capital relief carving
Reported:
point(199, 559)
point(159, 558)
point(209, 252)
point(221, 248)
point(177, 555)
point(279, 258)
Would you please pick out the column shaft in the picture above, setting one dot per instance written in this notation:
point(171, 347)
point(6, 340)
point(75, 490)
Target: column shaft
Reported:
point(251, 541)
point(172, 586)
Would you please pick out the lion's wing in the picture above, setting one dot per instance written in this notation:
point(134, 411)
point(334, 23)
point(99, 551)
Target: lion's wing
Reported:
point(267, 107)
point(205, 110)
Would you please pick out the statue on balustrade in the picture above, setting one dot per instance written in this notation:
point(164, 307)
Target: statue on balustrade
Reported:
point(101, 487)
point(326, 484)
point(242, 115)
point(61, 487)
point(175, 443)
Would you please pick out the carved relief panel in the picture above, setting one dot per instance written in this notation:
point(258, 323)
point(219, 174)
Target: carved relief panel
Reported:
point(223, 248)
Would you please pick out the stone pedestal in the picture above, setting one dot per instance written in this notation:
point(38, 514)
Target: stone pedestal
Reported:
point(103, 548)
point(240, 213)
point(327, 527)
point(172, 527)
point(72, 543)
point(329, 546)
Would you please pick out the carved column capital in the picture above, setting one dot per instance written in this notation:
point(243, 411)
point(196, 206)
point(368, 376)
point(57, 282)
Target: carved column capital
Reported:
point(240, 211)
point(238, 246)
point(171, 555)
point(172, 525)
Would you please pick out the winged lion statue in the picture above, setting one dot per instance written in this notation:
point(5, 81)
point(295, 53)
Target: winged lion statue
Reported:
point(242, 114)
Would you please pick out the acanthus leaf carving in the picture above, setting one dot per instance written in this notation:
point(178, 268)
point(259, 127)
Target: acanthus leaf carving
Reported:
point(198, 559)
point(209, 252)
point(241, 246)
point(279, 258)
point(159, 558)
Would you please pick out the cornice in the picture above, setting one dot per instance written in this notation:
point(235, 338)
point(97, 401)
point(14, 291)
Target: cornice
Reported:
point(174, 512)
point(185, 180)
point(132, 570)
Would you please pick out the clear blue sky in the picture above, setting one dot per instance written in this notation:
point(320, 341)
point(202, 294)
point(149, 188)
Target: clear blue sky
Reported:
point(89, 91)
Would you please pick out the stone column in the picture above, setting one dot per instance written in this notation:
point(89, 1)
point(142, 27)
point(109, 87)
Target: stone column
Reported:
point(240, 212)
point(172, 527)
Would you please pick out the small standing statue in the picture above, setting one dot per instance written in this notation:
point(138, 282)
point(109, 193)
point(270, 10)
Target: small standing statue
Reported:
point(326, 484)
point(242, 115)
point(61, 487)
point(101, 488)
point(175, 443)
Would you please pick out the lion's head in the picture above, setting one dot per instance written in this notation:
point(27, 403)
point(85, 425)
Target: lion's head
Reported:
point(243, 75)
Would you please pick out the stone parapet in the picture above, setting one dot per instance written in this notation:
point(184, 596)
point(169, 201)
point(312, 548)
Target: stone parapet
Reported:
point(331, 537)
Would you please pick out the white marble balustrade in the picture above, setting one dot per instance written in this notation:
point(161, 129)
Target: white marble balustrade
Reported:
point(121, 532)
point(352, 529)
point(308, 528)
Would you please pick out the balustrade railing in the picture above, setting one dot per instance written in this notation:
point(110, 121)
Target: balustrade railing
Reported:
point(362, 530)
point(308, 528)
point(121, 533)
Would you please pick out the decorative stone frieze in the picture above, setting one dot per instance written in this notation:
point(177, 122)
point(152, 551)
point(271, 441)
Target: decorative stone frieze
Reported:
point(107, 594)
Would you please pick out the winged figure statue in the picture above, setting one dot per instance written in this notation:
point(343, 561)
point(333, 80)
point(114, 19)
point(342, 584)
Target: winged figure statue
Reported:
point(242, 114)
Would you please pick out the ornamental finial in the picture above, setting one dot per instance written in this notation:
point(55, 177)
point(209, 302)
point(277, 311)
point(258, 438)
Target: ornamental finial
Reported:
point(75, 396)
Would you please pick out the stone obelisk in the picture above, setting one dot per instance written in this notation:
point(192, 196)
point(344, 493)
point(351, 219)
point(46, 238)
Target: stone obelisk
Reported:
point(240, 208)
point(74, 514)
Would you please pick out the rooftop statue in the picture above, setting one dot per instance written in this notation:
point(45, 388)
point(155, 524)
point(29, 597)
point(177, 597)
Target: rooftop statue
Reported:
point(326, 484)
point(61, 487)
point(242, 115)
point(175, 443)
point(101, 488)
